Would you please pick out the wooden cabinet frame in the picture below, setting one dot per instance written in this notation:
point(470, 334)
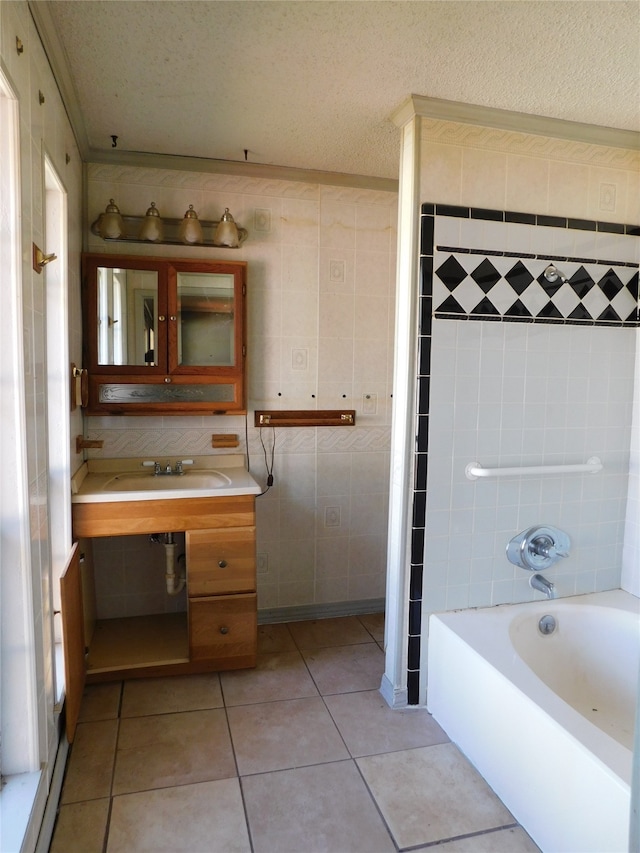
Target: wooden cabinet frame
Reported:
point(185, 382)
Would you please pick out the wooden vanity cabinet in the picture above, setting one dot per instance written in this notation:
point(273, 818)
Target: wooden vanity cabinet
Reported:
point(222, 594)
point(219, 629)
point(163, 335)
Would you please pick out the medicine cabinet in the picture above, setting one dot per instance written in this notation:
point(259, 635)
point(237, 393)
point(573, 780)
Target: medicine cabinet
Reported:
point(164, 335)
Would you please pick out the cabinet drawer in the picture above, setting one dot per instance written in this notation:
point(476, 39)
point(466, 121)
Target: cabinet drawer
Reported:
point(221, 561)
point(224, 627)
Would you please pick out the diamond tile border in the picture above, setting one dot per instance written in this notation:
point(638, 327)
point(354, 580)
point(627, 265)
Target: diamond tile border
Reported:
point(504, 286)
point(595, 293)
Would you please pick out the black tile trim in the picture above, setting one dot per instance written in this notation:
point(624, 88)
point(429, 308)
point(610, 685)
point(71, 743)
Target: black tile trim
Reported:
point(485, 213)
point(611, 227)
point(426, 235)
point(583, 224)
point(453, 210)
point(413, 686)
point(415, 583)
point(543, 219)
point(551, 221)
point(520, 218)
point(417, 545)
point(415, 618)
point(414, 653)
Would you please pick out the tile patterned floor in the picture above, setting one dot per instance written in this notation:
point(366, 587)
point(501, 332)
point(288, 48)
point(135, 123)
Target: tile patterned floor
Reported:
point(301, 753)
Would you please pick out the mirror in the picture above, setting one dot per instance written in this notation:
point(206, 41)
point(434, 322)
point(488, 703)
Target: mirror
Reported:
point(127, 316)
point(206, 319)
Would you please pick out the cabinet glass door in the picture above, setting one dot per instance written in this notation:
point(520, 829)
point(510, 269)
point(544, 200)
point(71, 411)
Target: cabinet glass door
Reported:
point(127, 316)
point(205, 316)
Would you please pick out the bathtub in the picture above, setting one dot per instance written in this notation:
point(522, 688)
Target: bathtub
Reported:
point(548, 720)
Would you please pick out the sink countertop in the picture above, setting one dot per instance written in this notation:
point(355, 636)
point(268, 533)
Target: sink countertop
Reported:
point(89, 483)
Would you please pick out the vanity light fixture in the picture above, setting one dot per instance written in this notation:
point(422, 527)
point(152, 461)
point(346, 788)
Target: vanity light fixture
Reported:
point(111, 222)
point(190, 230)
point(227, 231)
point(151, 228)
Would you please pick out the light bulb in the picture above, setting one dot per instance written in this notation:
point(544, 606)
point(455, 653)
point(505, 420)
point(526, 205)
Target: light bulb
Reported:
point(190, 230)
point(111, 222)
point(152, 227)
point(226, 231)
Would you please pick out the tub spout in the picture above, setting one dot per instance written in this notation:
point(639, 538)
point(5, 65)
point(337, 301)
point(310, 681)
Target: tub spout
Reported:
point(542, 585)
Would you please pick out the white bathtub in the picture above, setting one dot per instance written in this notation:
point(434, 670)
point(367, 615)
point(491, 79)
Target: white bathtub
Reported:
point(547, 720)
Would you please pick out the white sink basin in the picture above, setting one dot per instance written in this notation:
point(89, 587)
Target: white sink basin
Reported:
point(108, 481)
point(128, 482)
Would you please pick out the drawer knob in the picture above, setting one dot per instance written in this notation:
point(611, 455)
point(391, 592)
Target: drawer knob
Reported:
point(223, 564)
point(224, 629)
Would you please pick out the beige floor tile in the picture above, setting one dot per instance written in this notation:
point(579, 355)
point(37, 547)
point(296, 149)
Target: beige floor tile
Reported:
point(374, 623)
point(90, 767)
point(346, 668)
point(172, 749)
point(369, 726)
point(431, 793)
point(274, 638)
point(200, 818)
point(277, 676)
point(81, 827)
point(145, 696)
point(322, 633)
point(321, 809)
point(100, 701)
point(277, 735)
point(513, 840)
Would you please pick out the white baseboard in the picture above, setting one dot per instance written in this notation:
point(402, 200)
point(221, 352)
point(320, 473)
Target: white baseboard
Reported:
point(394, 697)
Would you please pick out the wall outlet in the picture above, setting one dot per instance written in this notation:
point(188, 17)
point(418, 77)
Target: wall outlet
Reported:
point(369, 404)
point(262, 563)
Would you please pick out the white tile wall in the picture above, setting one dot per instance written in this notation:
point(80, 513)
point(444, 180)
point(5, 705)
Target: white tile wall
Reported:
point(320, 295)
point(43, 128)
point(631, 550)
point(524, 394)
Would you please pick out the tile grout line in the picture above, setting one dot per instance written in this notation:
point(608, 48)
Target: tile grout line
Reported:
point(376, 805)
point(107, 828)
point(238, 777)
point(463, 837)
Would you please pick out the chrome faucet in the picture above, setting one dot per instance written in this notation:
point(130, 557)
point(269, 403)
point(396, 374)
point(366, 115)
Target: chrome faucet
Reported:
point(538, 548)
point(159, 471)
point(540, 583)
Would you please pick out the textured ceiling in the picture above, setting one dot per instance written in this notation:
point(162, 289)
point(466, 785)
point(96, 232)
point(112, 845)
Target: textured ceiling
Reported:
point(312, 84)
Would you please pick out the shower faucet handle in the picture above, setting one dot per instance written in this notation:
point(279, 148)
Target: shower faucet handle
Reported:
point(544, 546)
point(538, 548)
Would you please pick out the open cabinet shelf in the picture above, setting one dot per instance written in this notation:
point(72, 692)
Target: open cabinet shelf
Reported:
point(138, 641)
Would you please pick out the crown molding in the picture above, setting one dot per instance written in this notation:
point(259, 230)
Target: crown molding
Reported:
point(175, 162)
point(455, 111)
point(57, 58)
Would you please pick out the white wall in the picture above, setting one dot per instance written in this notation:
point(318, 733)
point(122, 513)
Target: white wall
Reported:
point(320, 298)
point(43, 128)
point(631, 552)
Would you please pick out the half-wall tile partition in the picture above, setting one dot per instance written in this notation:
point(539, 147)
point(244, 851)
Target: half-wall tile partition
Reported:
point(320, 297)
point(544, 375)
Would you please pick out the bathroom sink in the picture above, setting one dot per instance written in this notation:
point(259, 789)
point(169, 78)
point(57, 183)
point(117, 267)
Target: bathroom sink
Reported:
point(131, 482)
point(117, 480)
